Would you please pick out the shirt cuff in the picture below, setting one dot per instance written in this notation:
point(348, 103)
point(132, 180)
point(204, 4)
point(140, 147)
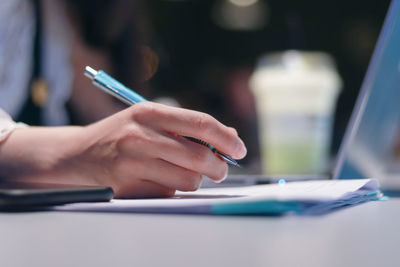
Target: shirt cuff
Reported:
point(7, 126)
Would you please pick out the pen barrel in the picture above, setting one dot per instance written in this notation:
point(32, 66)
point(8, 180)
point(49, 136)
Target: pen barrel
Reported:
point(117, 89)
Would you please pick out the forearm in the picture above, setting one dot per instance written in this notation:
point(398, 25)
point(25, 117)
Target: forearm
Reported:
point(38, 153)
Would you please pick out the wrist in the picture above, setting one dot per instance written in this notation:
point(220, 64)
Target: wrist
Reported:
point(38, 153)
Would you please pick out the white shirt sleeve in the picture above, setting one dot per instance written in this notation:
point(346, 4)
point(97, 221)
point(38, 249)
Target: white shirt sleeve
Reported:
point(7, 125)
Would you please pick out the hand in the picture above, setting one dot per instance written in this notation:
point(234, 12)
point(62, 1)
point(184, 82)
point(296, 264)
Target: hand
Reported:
point(139, 151)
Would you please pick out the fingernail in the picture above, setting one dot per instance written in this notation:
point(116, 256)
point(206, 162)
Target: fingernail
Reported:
point(241, 148)
point(199, 182)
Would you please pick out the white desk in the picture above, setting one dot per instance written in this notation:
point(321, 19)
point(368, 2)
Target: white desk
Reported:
point(365, 235)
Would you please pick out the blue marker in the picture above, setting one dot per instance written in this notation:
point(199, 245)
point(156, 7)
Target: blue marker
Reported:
point(111, 86)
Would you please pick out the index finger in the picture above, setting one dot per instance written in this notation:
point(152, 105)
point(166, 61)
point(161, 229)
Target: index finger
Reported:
point(198, 125)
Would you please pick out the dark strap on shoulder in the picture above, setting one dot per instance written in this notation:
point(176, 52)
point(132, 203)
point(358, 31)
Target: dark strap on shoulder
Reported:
point(31, 113)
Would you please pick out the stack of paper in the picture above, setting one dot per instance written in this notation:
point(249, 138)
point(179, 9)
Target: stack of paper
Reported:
point(310, 197)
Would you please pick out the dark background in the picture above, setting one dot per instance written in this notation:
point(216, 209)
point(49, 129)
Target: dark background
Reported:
point(197, 56)
point(206, 67)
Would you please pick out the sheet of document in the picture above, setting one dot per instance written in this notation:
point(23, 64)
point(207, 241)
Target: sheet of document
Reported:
point(305, 190)
point(262, 198)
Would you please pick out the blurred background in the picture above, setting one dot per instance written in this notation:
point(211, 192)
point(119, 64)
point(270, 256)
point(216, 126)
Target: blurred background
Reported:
point(201, 54)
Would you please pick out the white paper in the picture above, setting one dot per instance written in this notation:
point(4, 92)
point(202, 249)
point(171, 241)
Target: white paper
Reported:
point(322, 192)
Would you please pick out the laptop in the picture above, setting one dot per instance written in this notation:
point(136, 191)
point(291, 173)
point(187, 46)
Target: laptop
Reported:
point(367, 149)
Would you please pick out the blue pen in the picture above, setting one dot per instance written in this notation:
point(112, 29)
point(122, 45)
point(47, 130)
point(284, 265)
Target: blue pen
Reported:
point(111, 86)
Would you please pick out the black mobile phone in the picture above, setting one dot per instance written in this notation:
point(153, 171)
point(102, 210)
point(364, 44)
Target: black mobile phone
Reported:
point(18, 196)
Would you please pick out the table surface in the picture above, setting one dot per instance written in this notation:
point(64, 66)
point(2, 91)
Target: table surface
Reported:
point(364, 235)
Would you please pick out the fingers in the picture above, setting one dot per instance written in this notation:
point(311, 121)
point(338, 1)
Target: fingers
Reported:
point(156, 171)
point(153, 149)
point(194, 124)
point(177, 151)
point(192, 156)
point(172, 176)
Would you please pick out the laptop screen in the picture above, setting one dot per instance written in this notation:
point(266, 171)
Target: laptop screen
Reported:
point(368, 148)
